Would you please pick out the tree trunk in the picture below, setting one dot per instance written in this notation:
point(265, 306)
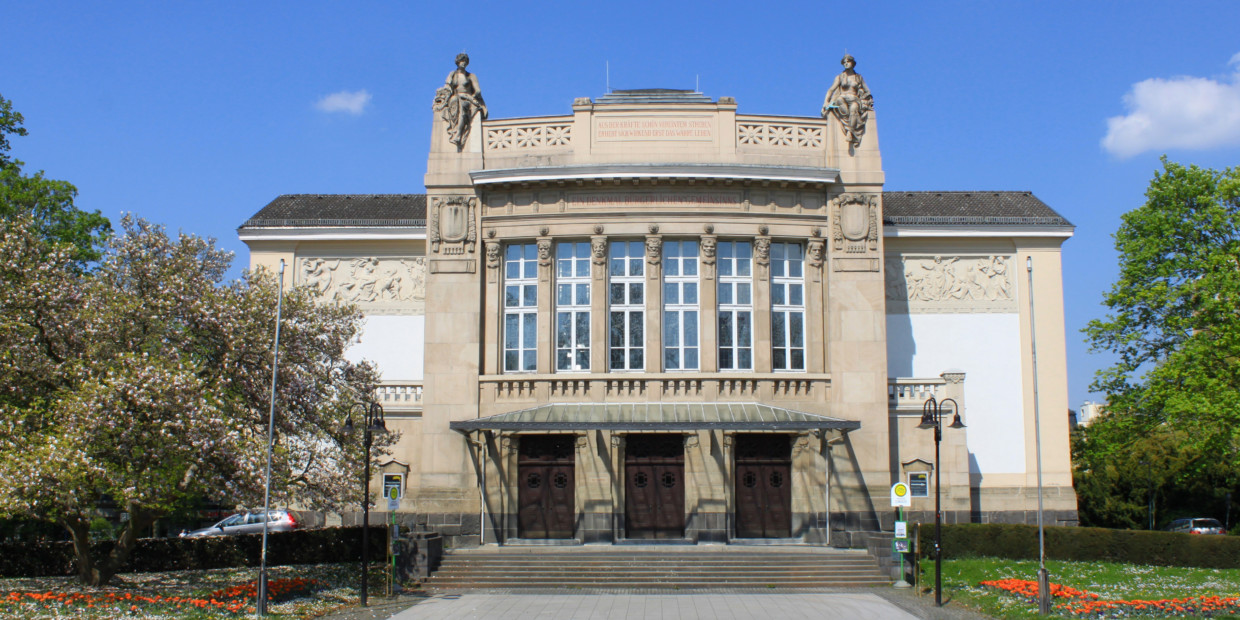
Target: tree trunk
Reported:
point(80, 530)
point(97, 574)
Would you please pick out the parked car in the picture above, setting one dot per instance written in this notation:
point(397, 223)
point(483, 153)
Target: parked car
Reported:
point(1196, 526)
point(248, 523)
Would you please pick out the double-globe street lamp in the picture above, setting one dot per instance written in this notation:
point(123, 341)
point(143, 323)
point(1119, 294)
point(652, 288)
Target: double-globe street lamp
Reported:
point(372, 422)
point(932, 417)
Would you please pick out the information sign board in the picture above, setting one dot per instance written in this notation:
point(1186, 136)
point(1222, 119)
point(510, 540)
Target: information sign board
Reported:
point(919, 483)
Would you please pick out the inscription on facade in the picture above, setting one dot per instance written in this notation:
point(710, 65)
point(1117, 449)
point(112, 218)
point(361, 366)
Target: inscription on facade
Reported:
point(694, 200)
point(963, 283)
point(616, 129)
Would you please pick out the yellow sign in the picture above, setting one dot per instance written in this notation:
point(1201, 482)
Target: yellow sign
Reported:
point(900, 495)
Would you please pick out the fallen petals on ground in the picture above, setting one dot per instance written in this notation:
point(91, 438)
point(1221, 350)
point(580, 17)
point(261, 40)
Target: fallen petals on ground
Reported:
point(237, 599)
point(1083, 603)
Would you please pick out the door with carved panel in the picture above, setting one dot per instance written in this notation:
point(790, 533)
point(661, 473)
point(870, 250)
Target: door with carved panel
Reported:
point(654, 491)
point(763, 486)
point(545, 497)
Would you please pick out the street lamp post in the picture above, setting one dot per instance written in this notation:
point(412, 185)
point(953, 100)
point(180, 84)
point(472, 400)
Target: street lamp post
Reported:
point(932, 417)
point(372, 422)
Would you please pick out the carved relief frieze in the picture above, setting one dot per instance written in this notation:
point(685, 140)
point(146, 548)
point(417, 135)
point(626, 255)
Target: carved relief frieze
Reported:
point(959, 283)
point(383, 285)
point(452, 230)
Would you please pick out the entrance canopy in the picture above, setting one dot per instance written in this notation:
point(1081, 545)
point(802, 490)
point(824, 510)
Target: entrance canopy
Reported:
point(655, 417)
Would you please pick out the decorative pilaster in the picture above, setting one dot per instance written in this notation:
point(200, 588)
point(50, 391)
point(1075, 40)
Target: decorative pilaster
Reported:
point(654, 252)
point(493, 261)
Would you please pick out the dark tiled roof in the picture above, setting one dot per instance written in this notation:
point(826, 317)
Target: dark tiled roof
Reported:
point(342, 210)
point(899, 209)
point(968, 209)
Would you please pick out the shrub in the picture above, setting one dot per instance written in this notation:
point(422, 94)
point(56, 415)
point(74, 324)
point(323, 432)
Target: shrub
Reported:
point(1020, 542)
point(337, 544)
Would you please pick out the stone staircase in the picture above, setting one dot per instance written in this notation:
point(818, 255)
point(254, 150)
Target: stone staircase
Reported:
point(655, 567)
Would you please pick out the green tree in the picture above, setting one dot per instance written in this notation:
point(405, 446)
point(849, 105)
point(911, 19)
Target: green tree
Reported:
point(146, 382)
point(48, 202)
point(1174, 325)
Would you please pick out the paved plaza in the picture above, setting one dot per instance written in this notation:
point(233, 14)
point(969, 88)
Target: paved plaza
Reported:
point(643, 606)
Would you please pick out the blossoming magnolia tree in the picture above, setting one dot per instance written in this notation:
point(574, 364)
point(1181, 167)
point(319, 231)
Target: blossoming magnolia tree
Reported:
point(147, 381)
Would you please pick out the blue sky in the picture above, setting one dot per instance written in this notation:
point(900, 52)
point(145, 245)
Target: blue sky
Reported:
point(196, 115)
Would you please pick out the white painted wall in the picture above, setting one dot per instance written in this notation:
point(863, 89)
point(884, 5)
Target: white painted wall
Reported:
point(987, 348)
point(395, 344)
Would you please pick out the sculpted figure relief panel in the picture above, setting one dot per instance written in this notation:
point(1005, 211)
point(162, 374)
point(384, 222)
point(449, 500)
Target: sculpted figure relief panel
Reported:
point(965, 283)
point(387, 285)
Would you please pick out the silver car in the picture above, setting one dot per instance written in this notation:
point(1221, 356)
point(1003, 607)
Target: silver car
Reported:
point(1196, 526)
point(248, 523)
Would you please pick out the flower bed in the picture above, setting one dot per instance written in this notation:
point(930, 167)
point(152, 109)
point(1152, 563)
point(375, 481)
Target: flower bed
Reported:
point(1083, 603)
point(237, 599)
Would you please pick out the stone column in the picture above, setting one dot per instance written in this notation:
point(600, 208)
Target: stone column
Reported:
point(546, 305)
point(708, 315)
point(762, 302)
point(598, 302)
point(447, 492)
point(815, 300)
point(954, 453)
point(654, 303)
point(857, 361)
point(493, 307)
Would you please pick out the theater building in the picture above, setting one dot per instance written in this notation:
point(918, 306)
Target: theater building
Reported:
point(652, 316)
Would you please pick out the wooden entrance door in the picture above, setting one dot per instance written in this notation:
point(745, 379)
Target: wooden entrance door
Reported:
point(763, 486)
point(545, 507)
point(654, 486)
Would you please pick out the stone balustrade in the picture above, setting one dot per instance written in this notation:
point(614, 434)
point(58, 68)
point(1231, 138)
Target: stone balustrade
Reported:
point(780, 133)
point(528, 134)
point(750, 132)
point(655, 387)
point(400, 397)
point(905, 393)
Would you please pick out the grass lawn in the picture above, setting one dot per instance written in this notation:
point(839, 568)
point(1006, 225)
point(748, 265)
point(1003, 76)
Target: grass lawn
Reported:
point(297, 592)
point(1111, 582)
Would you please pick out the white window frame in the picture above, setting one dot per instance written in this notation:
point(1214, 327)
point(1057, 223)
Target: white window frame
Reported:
point(572, 306)
point(734, 294)
point(681, 300)
point(626, 269)
point(520, 345)
point(787, 307)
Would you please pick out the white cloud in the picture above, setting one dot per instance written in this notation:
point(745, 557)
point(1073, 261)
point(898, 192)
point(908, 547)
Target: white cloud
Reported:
point(1183, 112)
point(344, 101)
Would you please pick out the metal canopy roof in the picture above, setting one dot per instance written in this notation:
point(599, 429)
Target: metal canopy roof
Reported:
point(655, 417)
